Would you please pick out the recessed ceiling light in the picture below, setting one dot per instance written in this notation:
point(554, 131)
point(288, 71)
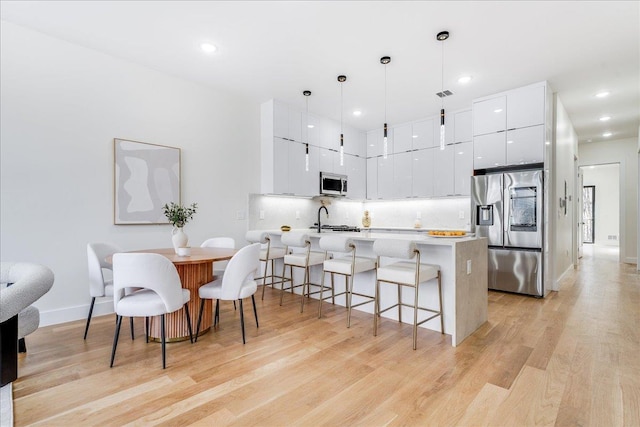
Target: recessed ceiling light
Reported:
point(479, 157)
point(499, 110)
point(602, 94)
point(588, 140)
point(464, 80)
point(414, 136)
point(310, 126)
point(208, 47)
point(460, 152)
point(548, 143)
point(509, 142)
point(357, 113)
point(605, 118)
point(606, 134)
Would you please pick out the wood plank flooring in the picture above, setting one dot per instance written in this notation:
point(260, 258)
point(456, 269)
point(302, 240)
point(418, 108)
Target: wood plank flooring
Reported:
point(572, 358)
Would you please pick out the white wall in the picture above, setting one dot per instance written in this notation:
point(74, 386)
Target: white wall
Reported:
point(61, 107)
point(566, 142)
point(606, 179)
point(624, 152)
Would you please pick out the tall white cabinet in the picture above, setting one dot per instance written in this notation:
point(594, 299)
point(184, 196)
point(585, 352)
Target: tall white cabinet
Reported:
point(509, 128)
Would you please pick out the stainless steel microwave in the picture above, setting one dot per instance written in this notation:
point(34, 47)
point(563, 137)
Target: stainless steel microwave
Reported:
point(332, 184)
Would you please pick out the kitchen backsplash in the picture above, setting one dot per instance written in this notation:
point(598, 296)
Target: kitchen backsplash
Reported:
point(270, 212)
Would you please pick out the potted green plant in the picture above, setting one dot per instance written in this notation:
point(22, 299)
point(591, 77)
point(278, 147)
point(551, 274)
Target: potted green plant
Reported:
point(179, 215)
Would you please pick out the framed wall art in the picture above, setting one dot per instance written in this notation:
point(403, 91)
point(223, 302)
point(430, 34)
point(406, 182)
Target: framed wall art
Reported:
point(146, 176)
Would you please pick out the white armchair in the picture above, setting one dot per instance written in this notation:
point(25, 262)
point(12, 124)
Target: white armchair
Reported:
point(23, 284)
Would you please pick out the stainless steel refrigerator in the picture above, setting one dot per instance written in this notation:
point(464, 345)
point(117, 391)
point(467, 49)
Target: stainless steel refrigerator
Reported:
point(507, 209)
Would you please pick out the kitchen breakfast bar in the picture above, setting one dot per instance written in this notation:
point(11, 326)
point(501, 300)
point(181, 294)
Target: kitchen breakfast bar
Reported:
point(463, 266)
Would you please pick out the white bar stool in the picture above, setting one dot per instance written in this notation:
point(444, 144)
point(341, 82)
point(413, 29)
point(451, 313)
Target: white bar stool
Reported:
point(268, 255)
point(299, 239)
point(405, 273)
point(347, 266)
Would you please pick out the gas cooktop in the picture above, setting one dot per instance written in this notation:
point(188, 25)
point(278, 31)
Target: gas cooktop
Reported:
point(340, 228)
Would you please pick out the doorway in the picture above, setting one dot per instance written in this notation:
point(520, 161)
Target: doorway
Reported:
point(588, 213)
point(600, 222)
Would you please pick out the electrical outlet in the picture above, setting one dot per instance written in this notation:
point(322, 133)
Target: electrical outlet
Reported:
point(297, 214)
point(261, 214)
point(468, 266)
point(461, 215)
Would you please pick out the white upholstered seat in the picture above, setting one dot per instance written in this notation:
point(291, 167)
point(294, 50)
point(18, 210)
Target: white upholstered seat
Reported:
point(405, 273)
point(237, 283)
point(347, 266)
point(303, 259)
point(158, 291)
point(268, 254)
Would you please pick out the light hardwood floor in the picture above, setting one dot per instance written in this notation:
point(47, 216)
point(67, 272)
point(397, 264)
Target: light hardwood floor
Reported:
point(572, 358)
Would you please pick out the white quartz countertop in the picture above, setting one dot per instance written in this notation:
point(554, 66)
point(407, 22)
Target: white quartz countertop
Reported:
point(419, 238)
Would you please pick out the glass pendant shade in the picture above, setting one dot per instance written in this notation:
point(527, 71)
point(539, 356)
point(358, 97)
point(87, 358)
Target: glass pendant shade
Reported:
point(341, 150)
point(442, 129)
point(385, 145)
point(306, 158)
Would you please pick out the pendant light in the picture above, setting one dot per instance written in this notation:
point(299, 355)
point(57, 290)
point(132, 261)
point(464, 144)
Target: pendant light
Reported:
point(442, 36)
point(341, 79)
point(307, 94)
point(385, 146)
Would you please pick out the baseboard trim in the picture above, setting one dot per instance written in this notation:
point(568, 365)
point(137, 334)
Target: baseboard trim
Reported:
point(69, 314)
point(556, 284)
point(631, 260)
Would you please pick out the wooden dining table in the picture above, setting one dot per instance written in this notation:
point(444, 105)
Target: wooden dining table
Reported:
point(194, 271)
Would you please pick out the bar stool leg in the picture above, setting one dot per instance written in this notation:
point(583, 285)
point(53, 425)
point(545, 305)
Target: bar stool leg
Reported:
point(304, 284)
point(376, 309)
point(399, 303)
point(440, 296)
point(264, 277)
point(348, 282)
point(284, 268)
point(415, 318)
point(321, 291)
point(333, 292)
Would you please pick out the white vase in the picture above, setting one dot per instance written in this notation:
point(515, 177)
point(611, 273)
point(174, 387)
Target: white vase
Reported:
point(179, 238)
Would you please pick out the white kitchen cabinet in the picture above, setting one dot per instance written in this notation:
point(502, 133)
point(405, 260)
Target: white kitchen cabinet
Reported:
point(385, 177)
point(423, 134)
point(463, 127)
point(301, 181)
point(357, 176)
point(443, 171)
point(287, 122)
point(525, 106)
point(375, 142)
point(280, 166)
point(372, 178)
point(525, 145)
point(325, 163)
point(311, 129)
point(337, 167)
point(329, 134)
point(354, 142)
point(402, 175)
point(489, 151)
point(422, 172)
point(463, 168)
point(402, 138)
point(490, 115)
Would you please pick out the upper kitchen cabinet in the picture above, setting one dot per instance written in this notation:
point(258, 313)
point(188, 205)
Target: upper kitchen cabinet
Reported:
point(385, 177)
point(290, 175)
point(422, 172)
point(525, 107)
point(355, 168)
point(463, 127)
point(490, 115)
point(372, 178)
point(375, 142)
point(463, 168)
point(509, 128)
point(355, 142)
point(525, 145)
point(443, 171)
point(423, 134)
point(402, 175)
point(287, 122)
point(402, 141)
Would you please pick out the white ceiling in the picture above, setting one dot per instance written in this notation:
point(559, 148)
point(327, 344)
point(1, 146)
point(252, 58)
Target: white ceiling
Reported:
point(276, 50)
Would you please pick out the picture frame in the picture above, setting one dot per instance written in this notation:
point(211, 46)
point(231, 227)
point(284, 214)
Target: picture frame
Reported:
point(146, 177)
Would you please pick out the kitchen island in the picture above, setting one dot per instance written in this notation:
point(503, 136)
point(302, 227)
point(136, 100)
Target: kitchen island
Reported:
point(463, 265)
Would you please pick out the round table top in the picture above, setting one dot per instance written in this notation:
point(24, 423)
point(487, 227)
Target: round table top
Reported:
point(198, 255)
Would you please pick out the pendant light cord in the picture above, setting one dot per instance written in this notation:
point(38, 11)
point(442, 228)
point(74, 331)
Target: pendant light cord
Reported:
point(442, 78)
point(341, 108)
point(385, 93)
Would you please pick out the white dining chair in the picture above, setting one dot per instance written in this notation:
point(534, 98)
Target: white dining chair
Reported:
point(100, 276)
point(159, 292)
point(219, 242)
point(237, 283)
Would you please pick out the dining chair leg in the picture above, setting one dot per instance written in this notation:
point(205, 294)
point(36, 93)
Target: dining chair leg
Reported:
point(22, 346)
point(199, 319)
point(131, 326)
point(255, 310)
point(234, 305)
point(186, 312)
point(86, 328)
point(242, 321)
point(217, 314)
point(146, 327)
point(115, 340)
point(164, 345)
